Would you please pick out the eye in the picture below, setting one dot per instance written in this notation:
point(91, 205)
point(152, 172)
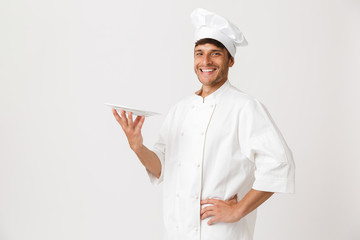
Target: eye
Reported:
point(198, 54)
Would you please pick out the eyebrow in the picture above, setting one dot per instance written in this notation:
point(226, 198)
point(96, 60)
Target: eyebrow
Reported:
point(215, 50)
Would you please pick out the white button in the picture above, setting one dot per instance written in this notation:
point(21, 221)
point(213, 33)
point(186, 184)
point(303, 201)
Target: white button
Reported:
point(177, 195)
point(196, 229)
point(212, 105)
point(193, 106)
point(179, 164)
point(202, 133)
point(177, 226)
point(198, 165)
point(182, 134)
point(196, 197)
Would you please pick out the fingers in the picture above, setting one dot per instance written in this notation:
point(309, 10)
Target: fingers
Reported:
point(130, 120)
point(141, 122)
point(116, 115)
point(205, 209)
point(137, 124)
point(212, 221)
point(124, 118)
point(210, 201)
point(207, 214)
point(137, 119)
point(217, 201)
point(127, 121)
point(219, 210)
point(119, 119)
point(210, 211)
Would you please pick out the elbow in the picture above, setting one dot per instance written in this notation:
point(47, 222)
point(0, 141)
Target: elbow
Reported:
point(158, 174)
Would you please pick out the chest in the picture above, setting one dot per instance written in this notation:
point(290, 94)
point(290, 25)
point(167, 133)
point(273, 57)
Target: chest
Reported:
point(210, 121)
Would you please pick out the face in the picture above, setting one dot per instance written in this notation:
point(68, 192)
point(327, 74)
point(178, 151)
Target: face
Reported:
point(211, 64)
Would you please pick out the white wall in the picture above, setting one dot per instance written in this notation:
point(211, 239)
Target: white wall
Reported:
point(66, 171)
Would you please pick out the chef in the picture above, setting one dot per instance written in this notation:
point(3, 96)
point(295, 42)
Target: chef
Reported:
point(219, 153)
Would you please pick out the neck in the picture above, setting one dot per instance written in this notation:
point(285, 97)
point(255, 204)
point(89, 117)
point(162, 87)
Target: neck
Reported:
point(207, 90)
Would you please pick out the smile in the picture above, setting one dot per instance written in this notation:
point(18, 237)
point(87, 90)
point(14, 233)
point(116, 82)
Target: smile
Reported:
point(207, 70)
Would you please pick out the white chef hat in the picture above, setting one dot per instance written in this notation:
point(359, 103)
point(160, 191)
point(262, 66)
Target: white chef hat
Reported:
point(211, 25)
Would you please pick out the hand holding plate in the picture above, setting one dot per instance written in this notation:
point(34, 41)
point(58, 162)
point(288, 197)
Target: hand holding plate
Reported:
point(132, 129)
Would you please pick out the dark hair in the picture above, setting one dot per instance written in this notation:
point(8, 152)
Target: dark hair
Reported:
point(214, 42)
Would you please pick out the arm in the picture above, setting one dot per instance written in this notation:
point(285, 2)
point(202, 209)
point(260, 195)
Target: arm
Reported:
point(231, 210)
point(252, 200)
point(150, 160)
point(132, 130)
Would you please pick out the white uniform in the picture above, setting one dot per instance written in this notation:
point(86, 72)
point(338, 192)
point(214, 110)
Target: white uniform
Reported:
point(223, 145)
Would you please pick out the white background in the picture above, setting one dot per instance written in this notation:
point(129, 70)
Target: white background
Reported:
point(66, 171)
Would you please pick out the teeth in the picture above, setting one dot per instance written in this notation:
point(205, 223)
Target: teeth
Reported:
point(207, 70)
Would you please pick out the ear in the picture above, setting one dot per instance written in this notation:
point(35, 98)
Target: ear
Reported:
point(231, 61)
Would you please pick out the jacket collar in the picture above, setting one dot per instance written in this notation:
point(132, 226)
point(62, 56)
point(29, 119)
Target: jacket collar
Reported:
point(213, 96)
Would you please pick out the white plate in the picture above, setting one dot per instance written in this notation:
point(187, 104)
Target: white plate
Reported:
point(135, 111)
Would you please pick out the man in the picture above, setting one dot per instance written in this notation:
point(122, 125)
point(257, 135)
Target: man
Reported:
point(219, 153)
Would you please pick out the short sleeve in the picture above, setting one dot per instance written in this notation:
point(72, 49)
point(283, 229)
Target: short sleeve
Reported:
point(262, 143)
point(159, 149)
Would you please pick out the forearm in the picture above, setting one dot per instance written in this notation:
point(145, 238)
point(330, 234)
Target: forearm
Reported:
point(252, 200)
point(149, 159)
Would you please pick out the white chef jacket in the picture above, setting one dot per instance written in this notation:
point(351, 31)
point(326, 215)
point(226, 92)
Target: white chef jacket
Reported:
point(216, 147)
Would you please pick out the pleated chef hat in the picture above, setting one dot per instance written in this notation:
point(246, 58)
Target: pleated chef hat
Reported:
point(211, 25)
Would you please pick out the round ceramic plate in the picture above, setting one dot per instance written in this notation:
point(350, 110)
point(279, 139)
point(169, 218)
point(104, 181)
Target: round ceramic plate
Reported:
point(134, 111)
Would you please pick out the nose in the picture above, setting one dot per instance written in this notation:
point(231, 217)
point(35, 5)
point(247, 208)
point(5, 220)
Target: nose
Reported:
point(207, 60)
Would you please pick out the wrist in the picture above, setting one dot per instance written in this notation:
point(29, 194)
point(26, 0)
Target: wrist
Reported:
point(239, 211)
point(137, 149)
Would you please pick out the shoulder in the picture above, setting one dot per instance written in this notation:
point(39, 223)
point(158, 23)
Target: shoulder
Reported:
point(236, 97)
point(248, 106)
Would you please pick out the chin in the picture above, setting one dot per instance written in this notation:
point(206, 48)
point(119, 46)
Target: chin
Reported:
point(208, 82)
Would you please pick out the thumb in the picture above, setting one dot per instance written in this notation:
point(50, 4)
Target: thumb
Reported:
point(234, 199)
